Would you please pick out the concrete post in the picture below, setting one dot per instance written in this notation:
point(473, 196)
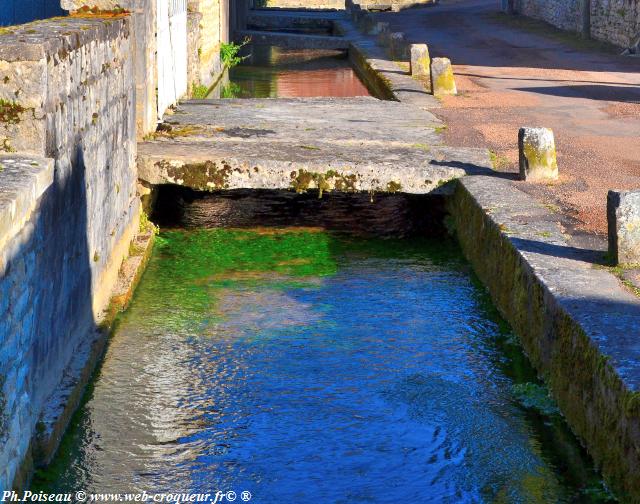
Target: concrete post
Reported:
point(537, 154)
point(623, 216)
point(383, 34)
point(397, 46)
point(420, 60)
point(442, 79)
point(585, 14)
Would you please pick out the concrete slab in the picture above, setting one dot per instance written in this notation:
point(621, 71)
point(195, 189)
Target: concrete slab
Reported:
point(355, 144)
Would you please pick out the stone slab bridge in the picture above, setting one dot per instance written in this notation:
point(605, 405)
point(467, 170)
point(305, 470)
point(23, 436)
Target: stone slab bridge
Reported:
point(326, 144)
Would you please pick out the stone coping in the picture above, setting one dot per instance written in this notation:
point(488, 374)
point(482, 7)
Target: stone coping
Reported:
point(23, 180)
point(56, 36)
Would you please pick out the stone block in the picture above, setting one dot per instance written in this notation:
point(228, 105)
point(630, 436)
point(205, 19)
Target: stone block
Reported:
point(623, 216)
point(537, 154)
point(378, 28)
point(420, 61)
point(442, 79)
point(397, 45)
point(383, 34)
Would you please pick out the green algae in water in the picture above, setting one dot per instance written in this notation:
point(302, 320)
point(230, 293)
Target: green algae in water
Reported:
point(534, 396)
point(305, 366)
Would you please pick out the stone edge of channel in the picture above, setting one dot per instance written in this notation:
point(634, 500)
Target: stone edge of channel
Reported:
point(494, 222)
point(66, 399)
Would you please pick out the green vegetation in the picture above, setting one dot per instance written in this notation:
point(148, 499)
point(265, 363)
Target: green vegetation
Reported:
point(229, 52)
point(498, 161)
point(146, 226)
point(199, 91)
point(534, 396)
point(231, 90)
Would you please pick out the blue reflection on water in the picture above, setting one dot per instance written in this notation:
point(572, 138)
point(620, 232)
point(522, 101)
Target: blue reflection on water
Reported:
point(380, 379)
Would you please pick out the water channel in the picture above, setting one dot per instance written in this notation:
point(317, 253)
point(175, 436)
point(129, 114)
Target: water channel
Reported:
point(273, 72)
point(305, 366)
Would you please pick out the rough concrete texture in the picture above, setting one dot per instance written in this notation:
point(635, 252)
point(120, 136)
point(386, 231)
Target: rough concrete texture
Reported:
point(359, 144)
point(576, 321)
point(537, 148)
point(623, 214)
point(442, 79)
point(420, 61)
point(68, 86)
point(23, 179)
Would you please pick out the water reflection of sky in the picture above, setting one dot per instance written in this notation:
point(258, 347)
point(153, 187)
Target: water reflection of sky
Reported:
point(309, 369)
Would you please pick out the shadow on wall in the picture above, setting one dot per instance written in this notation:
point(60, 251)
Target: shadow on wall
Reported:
point(49, 315)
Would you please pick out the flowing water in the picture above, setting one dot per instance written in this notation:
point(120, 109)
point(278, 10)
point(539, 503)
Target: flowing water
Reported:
point(273, 72)
point(310, 368)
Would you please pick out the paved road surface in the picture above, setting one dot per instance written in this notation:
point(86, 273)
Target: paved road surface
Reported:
point(513, 72)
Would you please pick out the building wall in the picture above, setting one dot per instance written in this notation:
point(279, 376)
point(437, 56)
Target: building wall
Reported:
point(213, 29)
point(68, 94)
point(613, 21)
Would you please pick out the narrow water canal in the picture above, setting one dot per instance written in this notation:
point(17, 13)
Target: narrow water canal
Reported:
point(273, 72)
point(308, 368)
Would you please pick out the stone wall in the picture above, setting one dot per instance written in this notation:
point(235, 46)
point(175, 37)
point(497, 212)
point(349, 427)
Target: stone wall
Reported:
point(67, 93)
point(213, 28)
point(143, 14)
point(302, 4)
point(616, 21)
point(613, 21)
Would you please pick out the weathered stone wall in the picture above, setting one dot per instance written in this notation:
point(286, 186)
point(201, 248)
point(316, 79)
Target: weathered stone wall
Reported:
point(143, 26)
point(213, 29)
point(616, 21)
point(564, 14)
point(613, 21)
point(67, 91)
point(302, 4)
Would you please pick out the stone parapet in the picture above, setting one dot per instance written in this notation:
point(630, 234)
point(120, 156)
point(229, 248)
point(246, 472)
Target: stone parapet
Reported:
point(67, 93)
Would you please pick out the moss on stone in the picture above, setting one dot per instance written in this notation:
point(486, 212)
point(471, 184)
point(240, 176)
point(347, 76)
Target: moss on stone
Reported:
point(11, 112)
point(303, 180)
point(205, 176)
point(597, 405)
